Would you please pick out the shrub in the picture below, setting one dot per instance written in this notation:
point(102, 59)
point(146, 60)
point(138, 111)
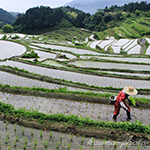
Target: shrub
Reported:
point(8, 28)
point(31, 55)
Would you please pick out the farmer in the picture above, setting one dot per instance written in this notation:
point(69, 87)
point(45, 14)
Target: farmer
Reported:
point(120, 101)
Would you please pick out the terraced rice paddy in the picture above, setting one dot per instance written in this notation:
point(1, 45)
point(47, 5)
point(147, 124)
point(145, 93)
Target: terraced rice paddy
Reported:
point(129, 46)
point(73, 50)
point(52, 105)
point(45, 54)
point(79, 77)
point(122, 59)
point(22, 138)
point(31, 138)
point(14, 80)
point(107, 65)
point(148, 51)
point(9, 49)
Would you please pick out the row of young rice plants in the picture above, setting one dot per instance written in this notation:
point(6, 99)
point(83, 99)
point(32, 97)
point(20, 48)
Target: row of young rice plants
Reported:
point(142, 29)
point(79, 77)
point(69, 49)
point(18, 137)
point(95, 111)
point(42, 117)
point(120, 59)
point(15, 80)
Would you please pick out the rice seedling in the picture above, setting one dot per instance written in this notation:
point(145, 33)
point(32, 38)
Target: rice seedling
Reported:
point(104, 142)
point(80, 147)
point(23, 130)
point(32, 131)
point(71, 138)
point(25, 141)
point(45, 143)
point(69, 146)
point(5, 127)
point(6, 141)
point(115, 144)
point(24, 146)
point(9, 147)
point(41, 134)
point(127, 145)
point(82, 139)
point(15, 127)
point(14, 143)
point(50, 134)
point(16, 138)
point(57, 145)
point(35, 142)
point(8, 135)
point(60, 136)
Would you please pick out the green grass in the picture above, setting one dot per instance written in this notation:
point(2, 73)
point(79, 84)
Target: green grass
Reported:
point(69, 34)
point(133, 27)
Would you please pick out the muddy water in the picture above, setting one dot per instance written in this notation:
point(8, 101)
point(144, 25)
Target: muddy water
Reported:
point(95, 111)
point(25, 139)
point(79, 77)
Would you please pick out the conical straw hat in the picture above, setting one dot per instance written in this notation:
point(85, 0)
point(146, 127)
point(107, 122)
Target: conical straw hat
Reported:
point(130, 90)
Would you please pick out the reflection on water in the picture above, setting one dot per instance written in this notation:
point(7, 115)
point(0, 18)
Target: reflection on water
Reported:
point(10, 49)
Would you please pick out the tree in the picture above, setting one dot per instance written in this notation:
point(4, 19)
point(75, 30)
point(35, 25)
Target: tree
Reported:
point(137, 12)
point(7, 28)
point(102, 26)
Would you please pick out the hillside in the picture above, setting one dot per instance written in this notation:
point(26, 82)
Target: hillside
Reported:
point(5, 17)
point(130, 28)
point(42, 19)
point(14, 13)
point(91, 6)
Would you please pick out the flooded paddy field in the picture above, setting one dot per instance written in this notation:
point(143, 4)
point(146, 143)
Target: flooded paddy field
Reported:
point(122, 59)
point(14, 80)
point(29, 138)
point(16, 137)
point(13, 136)
point(108, 65)
point(9, 49)
point(70, 49)
point(96, 111)
point(130, 74)
point(79, 77)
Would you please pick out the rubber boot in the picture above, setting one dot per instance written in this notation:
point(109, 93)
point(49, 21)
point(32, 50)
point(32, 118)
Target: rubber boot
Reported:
point(129, 115)
point(115, 117)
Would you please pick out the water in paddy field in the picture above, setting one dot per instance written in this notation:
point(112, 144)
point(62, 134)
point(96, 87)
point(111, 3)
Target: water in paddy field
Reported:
point(18, 137)
point(96, 111)
point(9, 49)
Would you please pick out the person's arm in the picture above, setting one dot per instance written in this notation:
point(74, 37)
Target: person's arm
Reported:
point(123, 106)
